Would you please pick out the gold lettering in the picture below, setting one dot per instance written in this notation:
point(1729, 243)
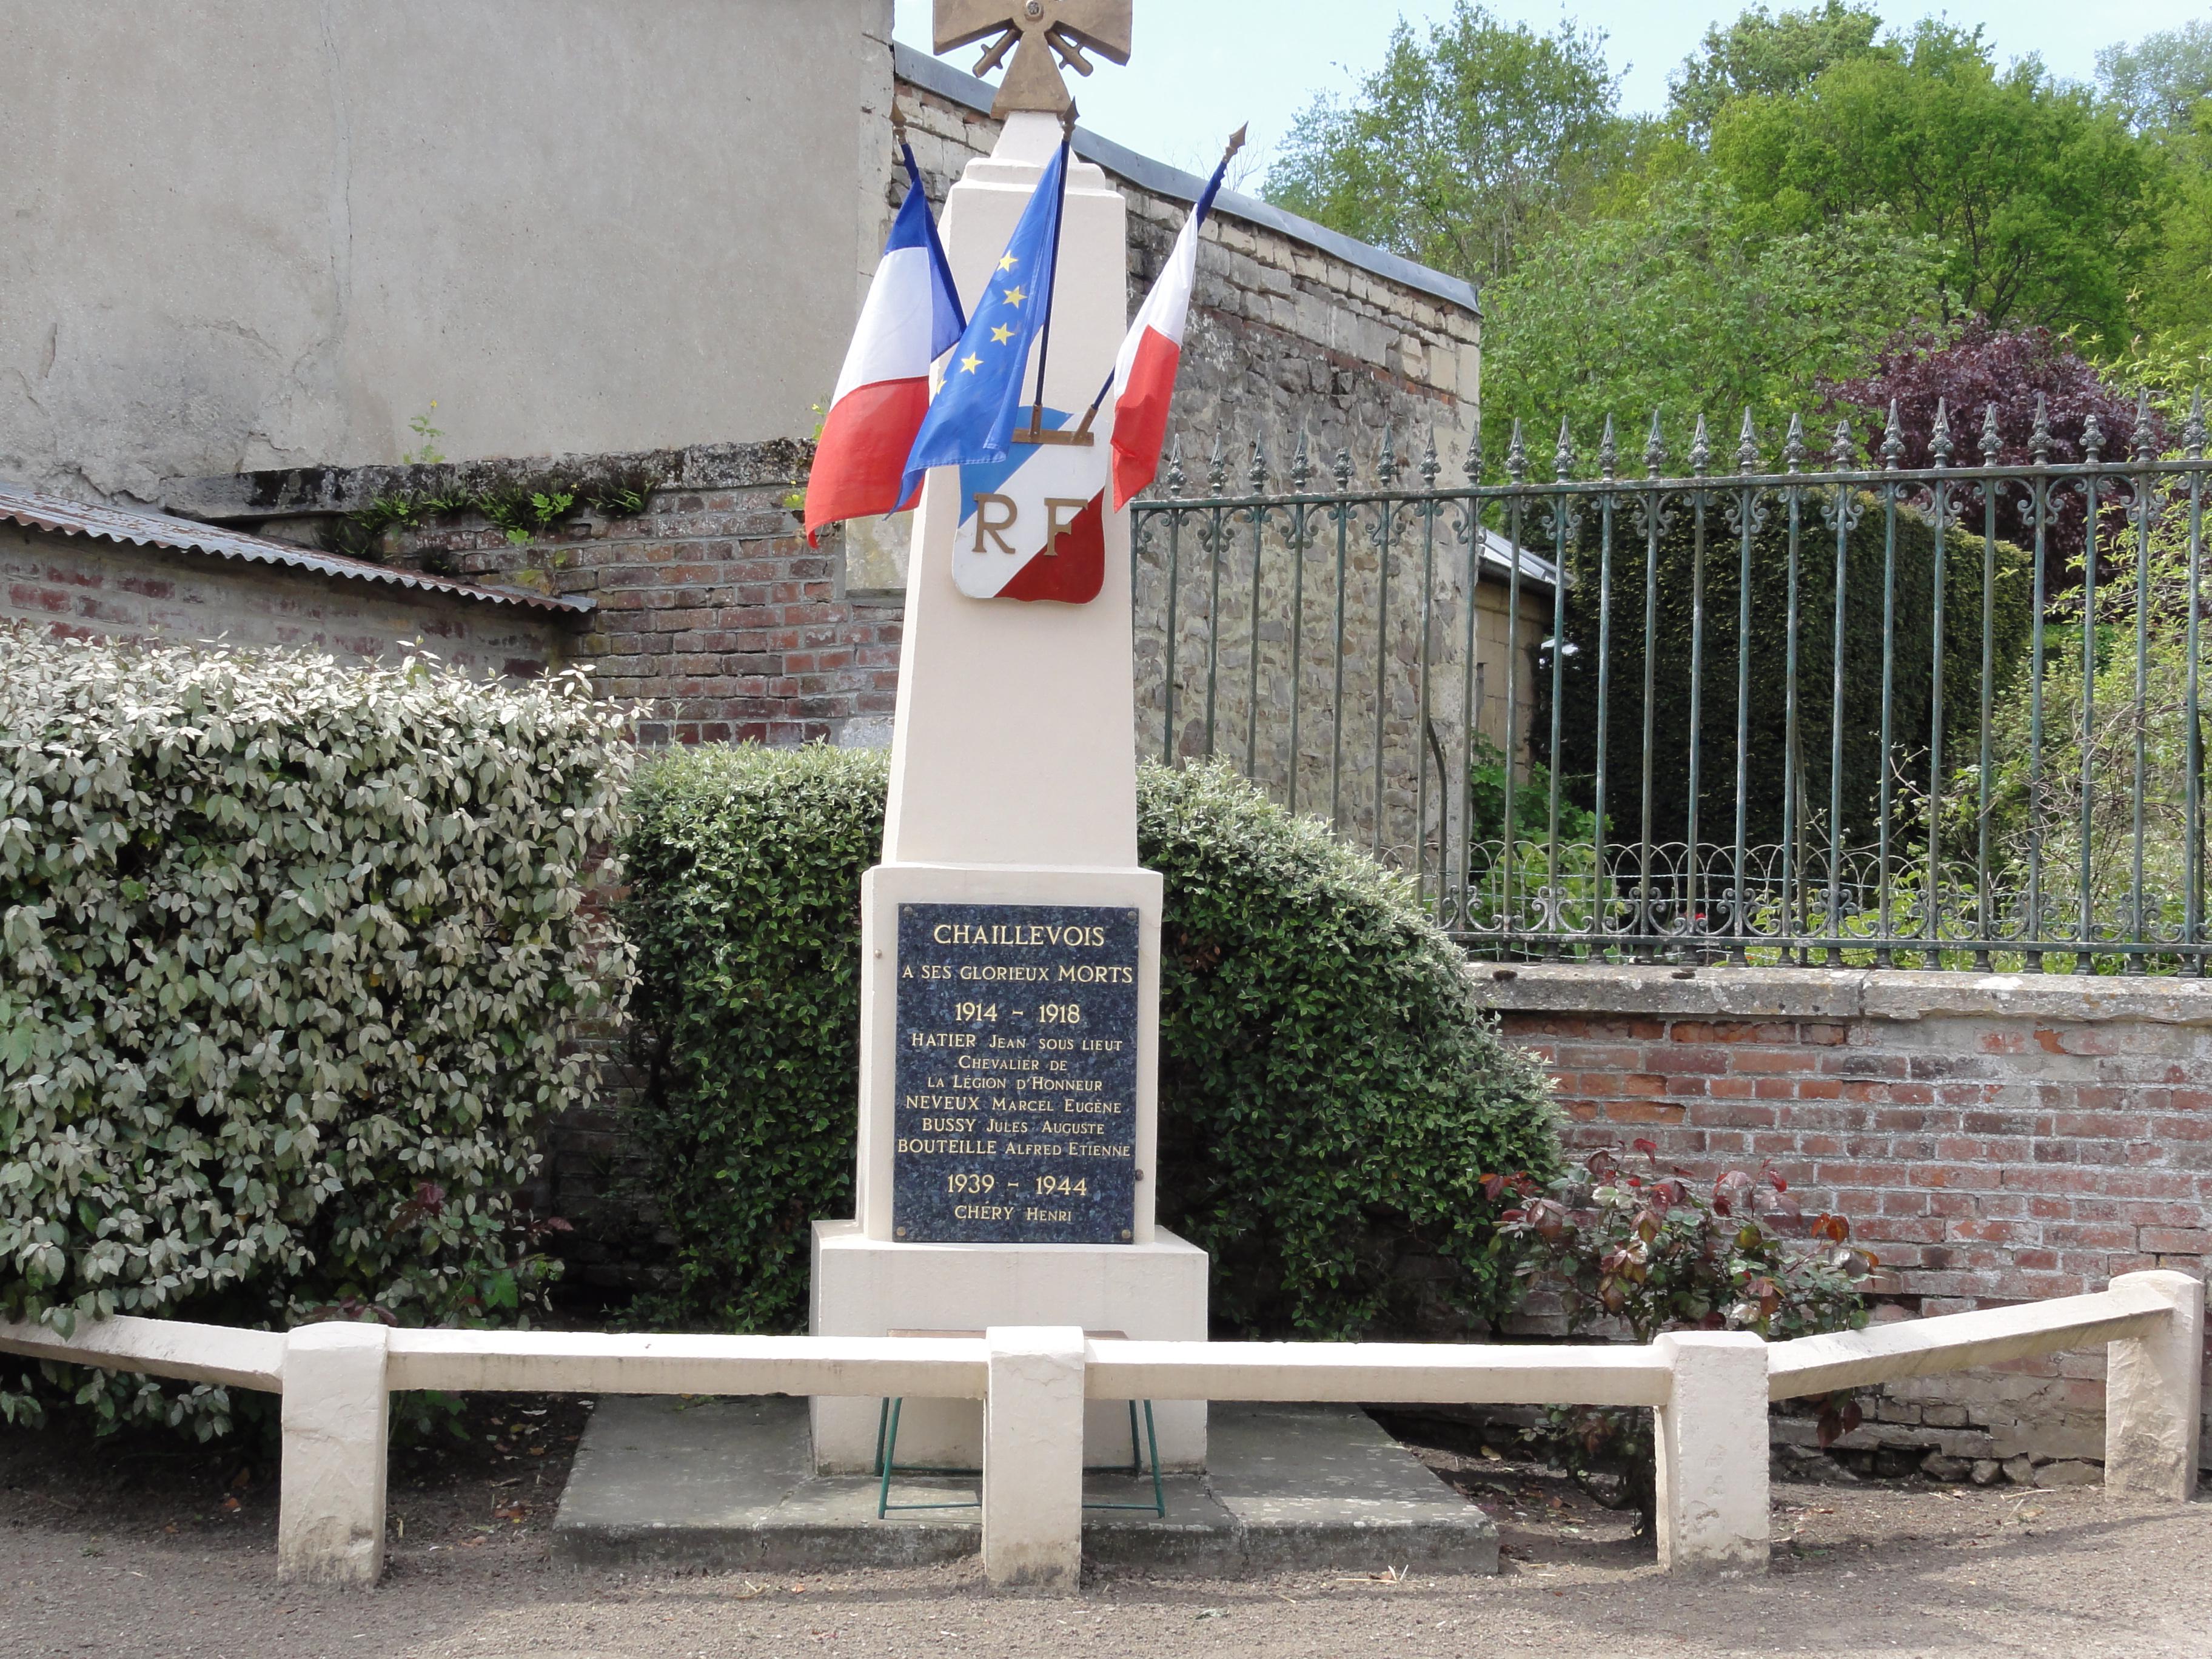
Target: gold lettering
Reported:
point(1054, 526)
point(984, 501)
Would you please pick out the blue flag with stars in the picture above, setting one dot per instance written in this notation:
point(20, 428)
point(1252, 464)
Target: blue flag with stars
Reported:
point(972, 419)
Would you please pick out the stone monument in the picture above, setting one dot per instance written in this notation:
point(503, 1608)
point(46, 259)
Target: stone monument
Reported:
point(1011, 942)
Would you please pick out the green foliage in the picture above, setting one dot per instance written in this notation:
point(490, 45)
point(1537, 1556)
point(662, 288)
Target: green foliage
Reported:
point(1764, 52)
point(1645, 1247)
point(525, 514)
point(1532, 798)
point(1461, 147)
point(2045, 205)
point(428, 437)
point(1815, 188)
point(1639, 1245)
point(2172, 308)
point(1330, 1092)
point(744, 867)
point(2065, 782)
point(292, 955)
point(2162, 80)
point(2011, 628)
point(1676, 304)
point(523, 510)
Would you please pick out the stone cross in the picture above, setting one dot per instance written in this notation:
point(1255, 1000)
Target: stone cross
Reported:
point(1036, 30)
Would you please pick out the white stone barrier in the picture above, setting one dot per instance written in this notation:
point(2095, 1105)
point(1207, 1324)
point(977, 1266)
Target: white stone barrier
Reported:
point(1707, 1390)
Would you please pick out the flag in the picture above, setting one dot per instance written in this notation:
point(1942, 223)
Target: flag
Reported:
point(1032, 515)
point(1145, 372)
point(912, 317)
point(973, 416)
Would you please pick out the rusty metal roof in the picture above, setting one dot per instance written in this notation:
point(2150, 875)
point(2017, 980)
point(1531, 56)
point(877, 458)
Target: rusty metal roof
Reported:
point(114, 523)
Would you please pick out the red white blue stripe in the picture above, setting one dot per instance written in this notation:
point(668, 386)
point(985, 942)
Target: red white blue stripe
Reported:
point(912, 317)
point(1145, 372)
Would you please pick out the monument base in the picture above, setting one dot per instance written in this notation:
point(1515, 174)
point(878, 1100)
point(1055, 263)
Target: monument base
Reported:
point(1154, 1293)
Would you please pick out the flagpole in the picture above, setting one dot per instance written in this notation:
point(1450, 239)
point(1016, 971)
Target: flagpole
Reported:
point(943, 266)
point(1236, 144)
point(1059, 214)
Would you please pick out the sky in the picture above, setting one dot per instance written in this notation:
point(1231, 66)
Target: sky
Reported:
point(1201, 67)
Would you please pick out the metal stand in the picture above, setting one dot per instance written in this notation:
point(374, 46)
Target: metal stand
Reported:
point(887, 1429)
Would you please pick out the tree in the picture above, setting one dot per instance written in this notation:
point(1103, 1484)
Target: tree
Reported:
point(1762, 52)
point(2162, 88)
point(2046, 206)
point(2160, 80)
point(1461, 146)
point(1676, 307)
point(2016, 372)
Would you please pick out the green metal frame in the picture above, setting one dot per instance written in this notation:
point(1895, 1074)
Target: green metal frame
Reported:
point(1873, 864)
point(887, 1429)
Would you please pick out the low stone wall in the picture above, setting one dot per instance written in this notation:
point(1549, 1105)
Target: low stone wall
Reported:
point(1991, 1138)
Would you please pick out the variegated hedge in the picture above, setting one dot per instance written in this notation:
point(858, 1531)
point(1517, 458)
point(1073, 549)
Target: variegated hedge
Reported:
point(291, 958)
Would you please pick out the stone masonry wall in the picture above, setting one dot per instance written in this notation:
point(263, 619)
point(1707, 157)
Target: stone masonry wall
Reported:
point(1287, 338)
point(1990, 1139)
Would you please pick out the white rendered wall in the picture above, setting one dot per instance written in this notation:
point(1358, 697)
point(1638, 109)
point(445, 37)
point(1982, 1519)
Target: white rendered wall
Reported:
point(256, 233)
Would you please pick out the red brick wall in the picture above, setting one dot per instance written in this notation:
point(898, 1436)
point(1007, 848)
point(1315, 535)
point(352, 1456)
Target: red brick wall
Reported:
point(1990, 1140)
point(712, 609)
point(83, 585)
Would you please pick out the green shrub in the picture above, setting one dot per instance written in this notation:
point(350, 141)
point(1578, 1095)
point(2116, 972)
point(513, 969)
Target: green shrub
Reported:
point(744, 867)
point(1636, 1245)
point(291, 956)
point(2012, 616)
point(1331, 1095)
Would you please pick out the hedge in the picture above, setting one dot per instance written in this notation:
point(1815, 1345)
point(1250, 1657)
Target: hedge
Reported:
point(1913, 704)
point(1330, 1091)
point(292, 955)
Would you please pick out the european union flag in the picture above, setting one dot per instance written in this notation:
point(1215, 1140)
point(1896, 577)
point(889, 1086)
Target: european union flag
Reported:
point(972, 419)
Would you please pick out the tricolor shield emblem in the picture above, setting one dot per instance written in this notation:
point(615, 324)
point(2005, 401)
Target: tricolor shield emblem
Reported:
point(1033, 526)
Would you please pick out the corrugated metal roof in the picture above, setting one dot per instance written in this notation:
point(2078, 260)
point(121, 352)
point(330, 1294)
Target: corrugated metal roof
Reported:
point(1535, 566)
point(116, 524)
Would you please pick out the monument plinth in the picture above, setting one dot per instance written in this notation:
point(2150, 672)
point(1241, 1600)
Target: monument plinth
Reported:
point(1011, 942)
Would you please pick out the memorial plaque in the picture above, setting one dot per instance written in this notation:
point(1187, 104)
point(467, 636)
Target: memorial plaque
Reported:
point(1017, 1040)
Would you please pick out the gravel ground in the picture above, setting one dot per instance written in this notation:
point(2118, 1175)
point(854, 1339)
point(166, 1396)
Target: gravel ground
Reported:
point(124, 1549)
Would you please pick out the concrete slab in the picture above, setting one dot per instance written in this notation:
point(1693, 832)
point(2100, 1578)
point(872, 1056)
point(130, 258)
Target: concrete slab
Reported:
point(729, 1484)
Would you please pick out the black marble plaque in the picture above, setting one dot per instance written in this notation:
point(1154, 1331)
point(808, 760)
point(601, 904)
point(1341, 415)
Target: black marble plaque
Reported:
point(1017, 1114)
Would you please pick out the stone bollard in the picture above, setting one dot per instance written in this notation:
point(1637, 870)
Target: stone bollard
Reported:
point(1712, 1452)
point(2154, 1396)
point(1033, 1458)
point(330, 1524)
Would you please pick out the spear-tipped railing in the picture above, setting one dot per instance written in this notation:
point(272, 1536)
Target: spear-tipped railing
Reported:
point(1935, 705)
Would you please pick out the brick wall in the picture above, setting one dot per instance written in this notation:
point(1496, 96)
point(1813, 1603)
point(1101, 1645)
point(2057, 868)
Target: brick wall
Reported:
point(709, 607)
point(1991, 1139)
point(714, 612)
point(84, 585)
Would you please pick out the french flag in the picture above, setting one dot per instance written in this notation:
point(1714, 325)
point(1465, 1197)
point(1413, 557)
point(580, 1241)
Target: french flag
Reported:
point(912, 317)
point(1145, 370)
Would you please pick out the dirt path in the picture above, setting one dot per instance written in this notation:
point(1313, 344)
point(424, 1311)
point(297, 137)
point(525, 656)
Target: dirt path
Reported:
point(130, 1553)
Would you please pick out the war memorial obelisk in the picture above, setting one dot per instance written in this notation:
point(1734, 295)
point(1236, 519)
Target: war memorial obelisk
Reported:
point(1010, 987)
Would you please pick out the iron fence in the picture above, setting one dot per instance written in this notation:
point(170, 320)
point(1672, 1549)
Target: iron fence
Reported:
point(1837, 713)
